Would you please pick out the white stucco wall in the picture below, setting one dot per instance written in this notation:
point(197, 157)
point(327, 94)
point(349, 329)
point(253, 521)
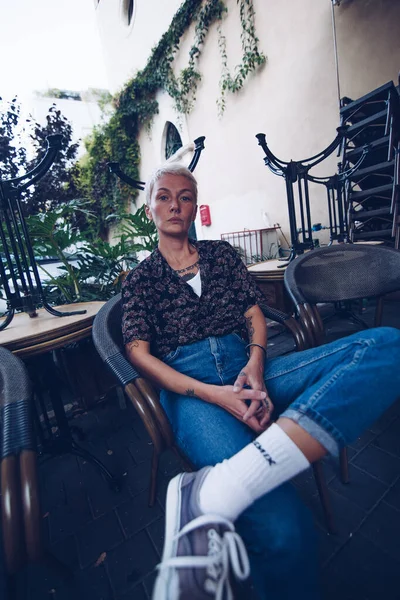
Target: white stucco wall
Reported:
point(292, 99)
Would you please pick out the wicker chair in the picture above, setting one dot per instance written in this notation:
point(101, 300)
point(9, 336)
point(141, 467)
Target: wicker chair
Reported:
point(107, 338)
point(340, 273)
point(20, 502)
point(20, 510)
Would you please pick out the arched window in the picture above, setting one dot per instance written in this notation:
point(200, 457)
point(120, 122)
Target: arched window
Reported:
point(172, 141)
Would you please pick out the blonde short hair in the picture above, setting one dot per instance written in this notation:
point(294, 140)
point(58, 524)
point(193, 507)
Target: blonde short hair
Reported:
point(173, 168)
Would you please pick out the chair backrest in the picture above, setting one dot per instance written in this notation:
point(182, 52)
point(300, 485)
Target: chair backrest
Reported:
point(343, 272)
point(21, 517)
point(107, 337)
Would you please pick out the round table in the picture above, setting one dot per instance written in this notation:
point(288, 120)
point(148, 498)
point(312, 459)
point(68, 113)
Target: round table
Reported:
point(269, 276)
point(28, 336)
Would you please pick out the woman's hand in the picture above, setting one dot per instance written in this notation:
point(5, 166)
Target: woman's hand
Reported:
point(252, 375)
point(235, 403)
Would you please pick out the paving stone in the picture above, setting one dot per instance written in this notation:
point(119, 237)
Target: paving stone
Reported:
point(364, 570)
point(101, 497)
point(363, 440)
point(378, 463)
point(362, 489)
point(347, 515)
point(327, 545)
point(44, 583)
point(101, 535)
point(94, 582)
point(390, 439)
point(383, 529)
point(148, 583)
point(305, 483)
point(138, 593)
point(141, 450)
point(45, 529)
point(386, 419)
point(66, 551)
point(112, 417)
point(118, 460)
point(331, 464)
point(140, 430)
point(131, 562)
point(123, 436)
point(170, 464)
point(156, 532)
point(54, 472)
point(63, 521)
point(393, 497)
point(136, 514)
point(139, 478)
point(162, 486)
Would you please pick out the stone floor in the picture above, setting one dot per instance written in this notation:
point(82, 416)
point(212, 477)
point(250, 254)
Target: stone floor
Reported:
point(112, 541)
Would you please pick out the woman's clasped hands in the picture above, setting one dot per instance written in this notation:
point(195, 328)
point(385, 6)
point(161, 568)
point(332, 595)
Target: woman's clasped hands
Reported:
point(247, 399)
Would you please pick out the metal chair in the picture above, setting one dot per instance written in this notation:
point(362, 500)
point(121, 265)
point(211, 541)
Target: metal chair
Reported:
point(20, 507)
point(107, 337)
point(340, 273)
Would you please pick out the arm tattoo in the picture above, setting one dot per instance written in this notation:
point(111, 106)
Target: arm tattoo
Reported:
point(133, 344)
point(190, 393)
point(242, 374)
point(250, 328)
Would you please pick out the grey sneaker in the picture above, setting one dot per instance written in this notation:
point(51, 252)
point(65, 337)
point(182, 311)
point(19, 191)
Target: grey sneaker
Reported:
point(200, 551)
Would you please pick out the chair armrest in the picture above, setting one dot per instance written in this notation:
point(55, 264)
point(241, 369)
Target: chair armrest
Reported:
point(31, 507)
point(21, 514)
point(122, 368)
point(146, 414)
point(153, 400)
point(11, 517)
point(289, 323)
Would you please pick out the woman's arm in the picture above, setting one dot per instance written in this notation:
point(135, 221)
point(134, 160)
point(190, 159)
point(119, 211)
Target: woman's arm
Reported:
point(252, 374)
point(164, 376)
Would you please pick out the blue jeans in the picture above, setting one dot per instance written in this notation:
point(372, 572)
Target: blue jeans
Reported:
point(334, 392)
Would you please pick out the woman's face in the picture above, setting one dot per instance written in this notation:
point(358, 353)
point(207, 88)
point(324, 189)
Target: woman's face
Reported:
point(173, 205)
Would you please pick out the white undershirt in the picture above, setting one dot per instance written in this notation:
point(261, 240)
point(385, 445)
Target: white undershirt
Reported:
point(195, 283)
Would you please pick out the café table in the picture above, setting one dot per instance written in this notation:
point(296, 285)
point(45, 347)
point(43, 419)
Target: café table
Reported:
point(269, 276)
point(35, 340)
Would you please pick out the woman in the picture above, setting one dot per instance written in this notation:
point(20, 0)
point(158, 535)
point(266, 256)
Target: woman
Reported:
point(193, 325)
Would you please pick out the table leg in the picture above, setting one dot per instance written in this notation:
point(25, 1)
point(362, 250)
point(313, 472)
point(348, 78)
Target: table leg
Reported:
point(62, 441)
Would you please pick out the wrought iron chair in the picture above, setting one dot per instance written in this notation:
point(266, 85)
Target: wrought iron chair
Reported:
point(340, 273)
point(20, 507)
point(107, 337)
point(337, 274)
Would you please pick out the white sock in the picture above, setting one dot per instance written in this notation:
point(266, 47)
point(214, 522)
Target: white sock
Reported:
point(233, 485)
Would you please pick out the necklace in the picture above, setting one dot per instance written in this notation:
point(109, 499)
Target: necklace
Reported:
point(193, 266)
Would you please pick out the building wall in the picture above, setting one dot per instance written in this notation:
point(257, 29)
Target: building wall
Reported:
point(293, 99)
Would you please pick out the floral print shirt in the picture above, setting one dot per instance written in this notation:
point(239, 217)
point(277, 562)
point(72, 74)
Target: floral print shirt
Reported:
point(161, 308)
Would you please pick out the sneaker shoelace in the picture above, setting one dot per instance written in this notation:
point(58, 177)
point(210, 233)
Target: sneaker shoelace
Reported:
point(223, 551)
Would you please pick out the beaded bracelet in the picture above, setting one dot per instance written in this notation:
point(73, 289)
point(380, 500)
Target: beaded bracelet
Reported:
point(258, 346)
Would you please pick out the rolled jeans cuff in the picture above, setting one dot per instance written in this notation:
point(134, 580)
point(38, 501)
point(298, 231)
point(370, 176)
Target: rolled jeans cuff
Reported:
point(316, 430)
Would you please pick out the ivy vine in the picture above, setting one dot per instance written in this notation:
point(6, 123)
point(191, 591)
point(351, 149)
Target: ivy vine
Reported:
point(136, 105)
point(251, 58)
